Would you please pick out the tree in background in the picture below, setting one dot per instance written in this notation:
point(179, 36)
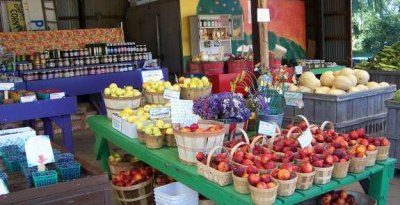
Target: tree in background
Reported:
point(376, 23)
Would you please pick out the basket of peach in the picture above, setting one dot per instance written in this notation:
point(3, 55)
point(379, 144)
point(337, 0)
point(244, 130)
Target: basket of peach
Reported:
point(383, 146)
point(305, 174)
point(371, 152)
point(323, 166)
point(341, 163)
point(215, 167)
point(285, 178)
point(358, 159)
point(263, 189)
point(240, 175)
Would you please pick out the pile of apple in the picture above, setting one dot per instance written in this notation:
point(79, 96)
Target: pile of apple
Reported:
point(338, 197)
point(114, 91)
point(142, 114)
point(285, 173)
point(261, 181)
point(325, 160)
point(152, 130)
point(196, 128)
point(304, 155)
point(340, 156)
point(164, 126)
point(163, 179)
point(243, 157)
point(194, 82)
point(358, 151)
point(133, 177)
point(218, 162)
point(159, 86)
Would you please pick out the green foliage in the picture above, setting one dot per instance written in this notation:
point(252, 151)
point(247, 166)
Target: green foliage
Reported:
point(375, 24)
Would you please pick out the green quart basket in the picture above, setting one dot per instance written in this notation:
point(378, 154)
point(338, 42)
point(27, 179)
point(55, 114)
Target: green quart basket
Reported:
point(69, 170)
point(46, 178)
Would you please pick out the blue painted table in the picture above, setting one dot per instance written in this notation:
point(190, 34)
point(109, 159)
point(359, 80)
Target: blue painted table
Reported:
point(58, 111)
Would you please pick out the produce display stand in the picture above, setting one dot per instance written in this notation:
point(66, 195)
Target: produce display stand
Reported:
point(58, 111)
point(391, 77)
point(92, 188)
point(166, 160)
point(319, 71)
point(91, 84)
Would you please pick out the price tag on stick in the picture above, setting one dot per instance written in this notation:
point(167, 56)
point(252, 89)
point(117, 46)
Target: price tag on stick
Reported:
point(160, 112)
point(171, 94)
point(267, 128)
point(152, 75)
point(39, 151)
point(305, 138)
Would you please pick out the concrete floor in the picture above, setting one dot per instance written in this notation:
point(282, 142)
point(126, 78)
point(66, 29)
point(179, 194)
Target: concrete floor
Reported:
point(84, 141)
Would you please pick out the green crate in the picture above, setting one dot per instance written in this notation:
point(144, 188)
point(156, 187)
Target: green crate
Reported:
point(46, 178)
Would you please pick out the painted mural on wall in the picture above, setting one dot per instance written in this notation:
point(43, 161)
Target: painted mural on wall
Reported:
point(287, 26)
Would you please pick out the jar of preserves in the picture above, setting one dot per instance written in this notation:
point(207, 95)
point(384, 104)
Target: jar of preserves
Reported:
point(50, 75)
point(43, 76)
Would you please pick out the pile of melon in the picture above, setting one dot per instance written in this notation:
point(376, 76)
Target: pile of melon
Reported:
point(336, 83)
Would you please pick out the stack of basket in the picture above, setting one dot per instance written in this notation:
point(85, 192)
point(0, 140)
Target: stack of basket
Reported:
point(175, 194)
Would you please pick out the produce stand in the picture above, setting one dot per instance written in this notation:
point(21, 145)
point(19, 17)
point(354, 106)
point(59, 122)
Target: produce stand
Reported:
point(92, 188)
point(166, 160)
point(90, 84)
point(58, 111)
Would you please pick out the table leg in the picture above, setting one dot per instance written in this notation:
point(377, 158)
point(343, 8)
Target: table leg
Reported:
point(64, 122)
point(379, 184)
point(102, 151)
point(48, 128)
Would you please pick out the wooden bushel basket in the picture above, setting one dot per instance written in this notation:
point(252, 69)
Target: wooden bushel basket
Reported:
point(323, 175)
point(141, 137)
point(117, 167)
point(340, 169)
point(155, 98)
point(189, 143)
point(241, 184)
point(305, 180)
point(383, 152)
point(170, 140)
point(140, 194)
point(264, 196)
point(220, 178)
point(357, 165)
point(285, 187)
point(195, 93)
point(154, 142)
point(117, 104)
point(371, 157)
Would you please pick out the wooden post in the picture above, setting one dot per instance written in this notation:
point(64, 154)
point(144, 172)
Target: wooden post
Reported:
point(264, 54)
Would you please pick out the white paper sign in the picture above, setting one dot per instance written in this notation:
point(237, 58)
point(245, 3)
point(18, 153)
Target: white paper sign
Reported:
point(30, 98)
point(171, 94)
point(39, 151)
point(116, 122)
point(294, 99)
point(267, 128)
point(191, 119)
point(263, 15)
point(152, 75)
point(6, 86)
point(3, 188)
point(305, 138)
point(180, 109)
point(59, 95)
point(298, 69)
point(160, 112)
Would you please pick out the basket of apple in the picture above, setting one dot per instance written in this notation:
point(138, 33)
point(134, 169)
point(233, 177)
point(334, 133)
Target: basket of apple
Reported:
point(194, 88)
point(154, 136)
point(282, 143)
point(263, 189)
point(116, 99)
point(305, 174)
point(215, 167)
point(347, 197)
point(341, 163)
point(122, 162)
point(323, 166)
point(240, 175)
point(232, 143)
point(358, 159)
point(154, 91)
point(304, 155)
point(322, 136)
point(134, 186)
point(285, 178)
point(197, 137)
point(383, 146)
point(371, 150)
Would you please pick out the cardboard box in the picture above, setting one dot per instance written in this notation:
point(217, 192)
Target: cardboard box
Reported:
point(126, 128)
point(16, 136)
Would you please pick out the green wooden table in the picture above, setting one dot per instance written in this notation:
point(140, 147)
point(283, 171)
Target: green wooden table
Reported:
point(166, 160)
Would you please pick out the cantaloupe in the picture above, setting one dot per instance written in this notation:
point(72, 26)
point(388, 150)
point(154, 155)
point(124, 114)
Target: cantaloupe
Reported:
point(362, 87)
point(354, 89)
point(342, 82)
point(384, 84)
point(304, 89)
point(322, 90)
point(327, 79)
point(373, 85)
point(309, 80)
point(362, 77)
point(336, 92)
point(346, 71)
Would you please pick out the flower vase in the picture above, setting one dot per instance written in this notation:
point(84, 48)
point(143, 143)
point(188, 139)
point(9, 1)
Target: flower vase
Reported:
point(278, 119)
point(230, 126)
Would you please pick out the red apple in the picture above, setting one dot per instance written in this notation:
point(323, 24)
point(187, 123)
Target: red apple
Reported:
point(361, 132)
point(318, 163)
point(249, 156)
point(306, 168)
point(252, 169)
point(287, 166)
point(265, 178)
point(354, 135)
point(200, 156)
point(329, 159)
point(270, 165)
point(247, 162)
point(253, 179)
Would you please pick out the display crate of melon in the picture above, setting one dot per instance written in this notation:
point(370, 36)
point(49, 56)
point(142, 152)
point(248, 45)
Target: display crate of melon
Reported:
point(393, 128)
point(346, 98)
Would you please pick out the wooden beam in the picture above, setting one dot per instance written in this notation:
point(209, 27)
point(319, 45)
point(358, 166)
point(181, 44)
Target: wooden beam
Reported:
point(264, 55)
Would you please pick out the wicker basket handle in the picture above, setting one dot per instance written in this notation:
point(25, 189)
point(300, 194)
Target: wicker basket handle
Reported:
point(305, 119)
point(234, 148)
point(327, 123)
point(272, 140)
point(246, 137)
point(210, 154)
point(291, 130)
point(253, 143)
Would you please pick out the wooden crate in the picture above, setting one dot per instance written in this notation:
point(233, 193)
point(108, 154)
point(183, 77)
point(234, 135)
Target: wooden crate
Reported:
point(393, 128)
point(391, 77)
point(93, 188)
point(346, 112)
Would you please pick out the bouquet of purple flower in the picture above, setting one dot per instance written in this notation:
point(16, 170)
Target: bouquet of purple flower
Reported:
point(225, 105)
point(258, 103)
